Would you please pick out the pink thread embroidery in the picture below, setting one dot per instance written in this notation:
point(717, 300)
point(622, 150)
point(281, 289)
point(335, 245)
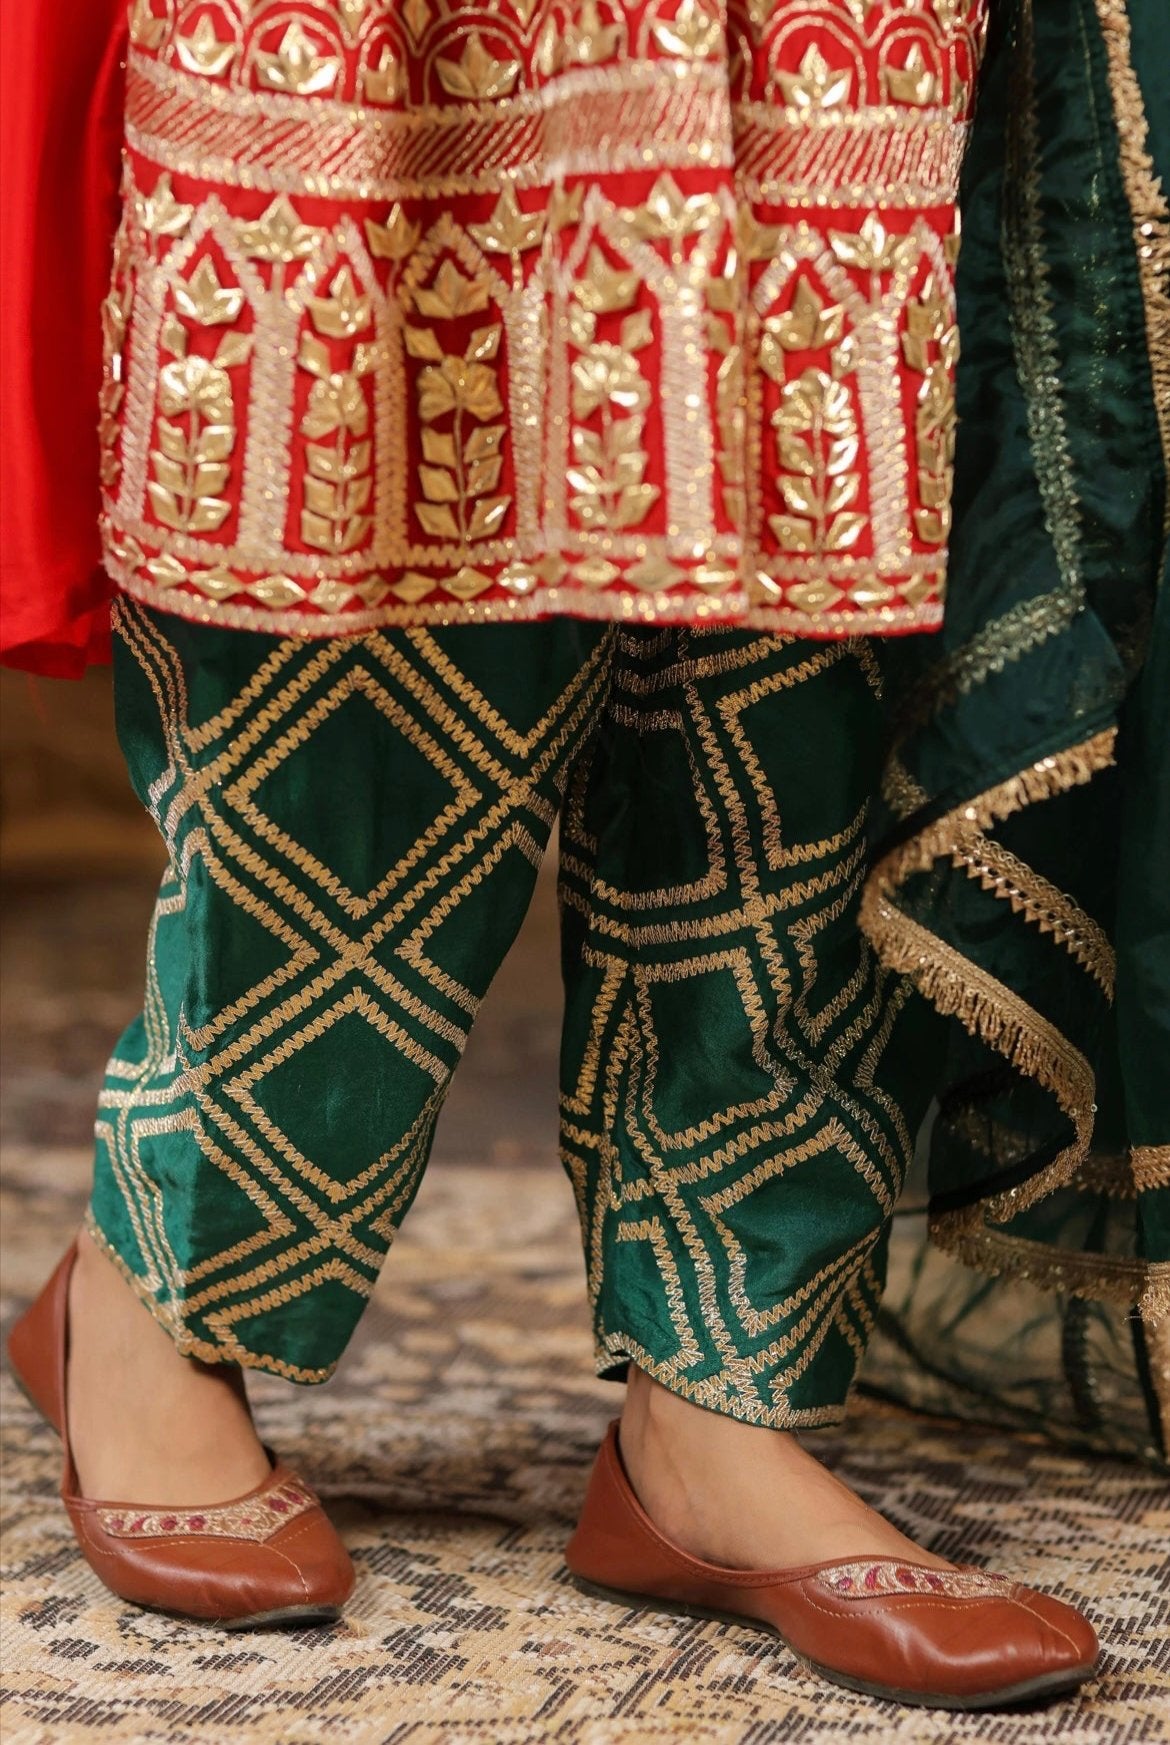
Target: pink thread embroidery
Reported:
point(863, 1580)
point(255, 1518)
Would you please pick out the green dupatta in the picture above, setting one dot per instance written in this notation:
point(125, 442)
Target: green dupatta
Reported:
point(1023, 871)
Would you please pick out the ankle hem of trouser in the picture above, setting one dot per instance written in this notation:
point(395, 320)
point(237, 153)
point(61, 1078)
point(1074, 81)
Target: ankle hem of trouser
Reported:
point(718, 1393)
point(170, 1318)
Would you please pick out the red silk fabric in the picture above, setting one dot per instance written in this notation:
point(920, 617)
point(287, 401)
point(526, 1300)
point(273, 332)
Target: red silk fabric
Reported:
point(60, 130)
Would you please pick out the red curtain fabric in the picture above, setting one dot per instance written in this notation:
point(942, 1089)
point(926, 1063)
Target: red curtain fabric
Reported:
point(60, 134)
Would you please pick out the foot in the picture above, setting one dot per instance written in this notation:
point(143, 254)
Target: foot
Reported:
point(743, 1496)
point(146, 1424)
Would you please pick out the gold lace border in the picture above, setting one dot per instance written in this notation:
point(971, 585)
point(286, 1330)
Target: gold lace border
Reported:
point(957, 987)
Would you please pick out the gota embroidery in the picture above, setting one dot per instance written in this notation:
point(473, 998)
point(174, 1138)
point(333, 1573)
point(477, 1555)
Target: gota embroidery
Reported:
point(445, 311)
point(256, 1518)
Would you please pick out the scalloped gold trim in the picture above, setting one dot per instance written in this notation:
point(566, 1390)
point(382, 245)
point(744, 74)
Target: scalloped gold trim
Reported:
point(1151, 1167)
point(986, 1007)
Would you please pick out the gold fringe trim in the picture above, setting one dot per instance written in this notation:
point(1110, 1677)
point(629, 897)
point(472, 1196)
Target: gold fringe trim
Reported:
point(1151, 1167)
point(1042, 780)
point(1107, 1278)
point(959, 988)
point(1147, 203)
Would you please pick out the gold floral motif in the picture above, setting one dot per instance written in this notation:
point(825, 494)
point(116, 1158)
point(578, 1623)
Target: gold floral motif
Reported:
point(385, 82)
point(460, 151)
point(914, 82)
point(608, 471)
point(201, 50)
point(872, 248)
point(584, 40)
point(478, 77)
point(462, 462)
point(278, 235)
point(396, 239)
point(667, 214)
point(339, 480)
point(816, 85)
point(817, 436)
point(510, 230)
point(159, 213)
point(930, 346)
point(693, 33)
point(196, 431)
point(297, 66)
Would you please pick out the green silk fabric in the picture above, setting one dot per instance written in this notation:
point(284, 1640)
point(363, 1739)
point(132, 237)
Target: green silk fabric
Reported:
point(354, 829)
point(1025, 874)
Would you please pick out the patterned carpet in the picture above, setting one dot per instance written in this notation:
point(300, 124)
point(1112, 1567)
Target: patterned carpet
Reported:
point(453, 1450)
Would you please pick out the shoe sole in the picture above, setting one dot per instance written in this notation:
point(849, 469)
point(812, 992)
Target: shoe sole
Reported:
point(1030, 1690)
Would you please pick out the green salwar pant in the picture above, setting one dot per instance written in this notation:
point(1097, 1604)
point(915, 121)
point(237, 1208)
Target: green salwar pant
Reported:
point(354, 829)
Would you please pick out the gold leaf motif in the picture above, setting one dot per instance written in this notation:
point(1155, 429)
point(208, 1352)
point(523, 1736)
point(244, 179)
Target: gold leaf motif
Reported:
point(278, 234)
point(466, 583)
point(173, 338)
point(423, 342)
point(412, 587)
point(693, 34)
point(914, 82)
point(344, 312)
point(564, 209)
point(297, 67)
point(808, 324)
point(314, 357)
point(654, 575)
point(197, 386)
point(386, 82)
point(457, 386)
point(394, 240)
point(510, 230)
point(596, 572)
point(160, 213)
point(217, 584)
point(604, 288)
point(201, 50)
point(203, 299)
point(417, 14)
point(451, 294)
point(478, 76)
point(336, 405)
point(586, 41)
point(233, 350)
point(146, 31)
point(277, 591)
point(872, 249)
point(814, 597)
point(817, 445)
point(669, 214)
point(816, 85)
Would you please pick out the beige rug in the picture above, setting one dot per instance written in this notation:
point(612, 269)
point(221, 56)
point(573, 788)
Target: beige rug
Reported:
point(453, 1450)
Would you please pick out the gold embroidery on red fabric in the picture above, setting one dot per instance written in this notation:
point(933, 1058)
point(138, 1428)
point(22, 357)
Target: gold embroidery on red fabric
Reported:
point(544, 307)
